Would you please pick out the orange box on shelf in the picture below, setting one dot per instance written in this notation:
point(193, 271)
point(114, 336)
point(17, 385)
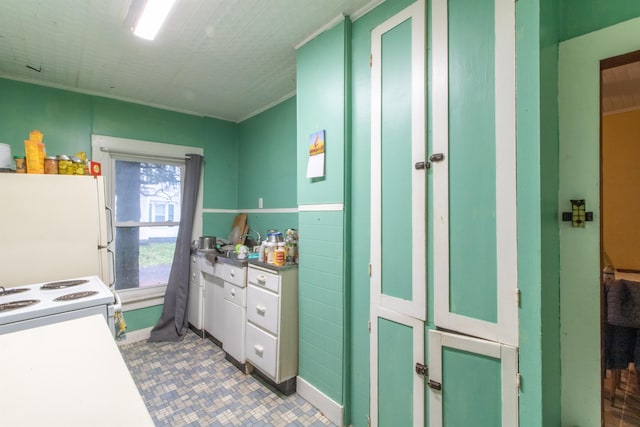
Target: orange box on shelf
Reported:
point(95, 169)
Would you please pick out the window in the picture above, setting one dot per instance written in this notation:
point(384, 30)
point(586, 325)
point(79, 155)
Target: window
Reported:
point(144, 188)
point(145, 235)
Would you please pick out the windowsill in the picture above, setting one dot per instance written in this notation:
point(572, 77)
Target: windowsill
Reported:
point(133, 299)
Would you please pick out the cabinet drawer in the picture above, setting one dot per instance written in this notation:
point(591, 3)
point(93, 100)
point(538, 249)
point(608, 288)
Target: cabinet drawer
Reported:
point(235, 275)
point(261, 350)
point(208, 267)
point(263, 308)
point(262, 279)
point(235, 294)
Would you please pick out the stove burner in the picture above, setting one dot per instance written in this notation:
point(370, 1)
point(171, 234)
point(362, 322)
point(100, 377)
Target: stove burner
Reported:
point(76, 295)
point(11, 291)
point(17, 304)
point(63, 284)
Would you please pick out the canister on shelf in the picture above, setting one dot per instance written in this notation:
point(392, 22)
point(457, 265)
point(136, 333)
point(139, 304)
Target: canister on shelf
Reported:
point(50, 165)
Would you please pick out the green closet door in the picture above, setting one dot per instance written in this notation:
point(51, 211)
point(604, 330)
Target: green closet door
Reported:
point(398, 219)
point(475, 262)
point(472, 382)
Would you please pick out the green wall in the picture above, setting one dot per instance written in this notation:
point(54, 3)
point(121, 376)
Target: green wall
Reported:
point(255, 158)
point(584, 16)
point(267, 158)
point(67, 120)
point(537, 181)
point(322, 71)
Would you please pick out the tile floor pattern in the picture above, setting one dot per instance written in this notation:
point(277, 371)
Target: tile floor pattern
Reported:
point(190, 383)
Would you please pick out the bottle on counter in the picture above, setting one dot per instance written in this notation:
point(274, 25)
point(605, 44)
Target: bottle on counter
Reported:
point(270, 251)
point(280, 255)
point(261, 251)
point(291, 246)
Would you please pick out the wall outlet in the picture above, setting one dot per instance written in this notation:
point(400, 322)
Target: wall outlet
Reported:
point(259, 202)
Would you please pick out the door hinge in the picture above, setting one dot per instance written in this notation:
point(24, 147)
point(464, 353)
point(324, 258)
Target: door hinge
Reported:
point(369, 270)
point(370, 60)
point(368, 421)
point(517, 297)
point(369, 325)
point(518, 381)
point(422, 369)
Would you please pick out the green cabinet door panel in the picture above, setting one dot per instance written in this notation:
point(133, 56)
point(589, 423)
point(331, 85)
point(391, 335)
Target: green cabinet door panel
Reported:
point(472, 159)
point(395, 141)
point(395, 374)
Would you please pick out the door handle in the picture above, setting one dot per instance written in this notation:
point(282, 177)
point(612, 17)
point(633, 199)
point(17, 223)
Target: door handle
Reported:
point(435, 157)
point(435, 385)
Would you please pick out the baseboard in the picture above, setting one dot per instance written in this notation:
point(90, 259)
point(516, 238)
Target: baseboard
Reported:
point(135, 336)
point(329, 408)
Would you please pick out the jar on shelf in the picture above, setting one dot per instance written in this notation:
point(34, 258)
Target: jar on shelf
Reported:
point(78, 166)
point(65, 167)
point(51, 165)
point(20, 164)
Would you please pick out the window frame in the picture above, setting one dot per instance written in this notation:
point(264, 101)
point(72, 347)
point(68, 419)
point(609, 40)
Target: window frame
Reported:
point(106, 150)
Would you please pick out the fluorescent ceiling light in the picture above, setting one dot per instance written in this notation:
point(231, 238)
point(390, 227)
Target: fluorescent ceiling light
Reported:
point(153, 15)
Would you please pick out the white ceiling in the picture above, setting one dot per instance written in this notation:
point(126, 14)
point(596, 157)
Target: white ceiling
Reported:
point(621, 88)
point(220, 58)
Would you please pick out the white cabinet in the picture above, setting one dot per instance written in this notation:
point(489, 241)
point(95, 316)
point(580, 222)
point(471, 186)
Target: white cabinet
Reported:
point(212, 274)
point(272, 321)
point(234, 310)
point(195, 309)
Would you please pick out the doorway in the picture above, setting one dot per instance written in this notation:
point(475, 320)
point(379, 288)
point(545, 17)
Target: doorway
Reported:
point(620, 238)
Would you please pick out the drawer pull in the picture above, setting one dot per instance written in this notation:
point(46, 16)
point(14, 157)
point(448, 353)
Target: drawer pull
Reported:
point(261, 279)
point(233, 292)
point(232, 273)
point(261, 309)
point(259, 349)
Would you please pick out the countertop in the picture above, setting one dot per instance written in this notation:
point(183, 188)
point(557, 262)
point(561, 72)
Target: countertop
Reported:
point(67, 374)
point(233, 260)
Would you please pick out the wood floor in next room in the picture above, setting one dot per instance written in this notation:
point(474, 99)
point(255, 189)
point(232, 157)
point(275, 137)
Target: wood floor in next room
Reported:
point(624, 411)
point(190, 383)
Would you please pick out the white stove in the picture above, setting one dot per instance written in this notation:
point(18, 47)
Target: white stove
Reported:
point(38, 304)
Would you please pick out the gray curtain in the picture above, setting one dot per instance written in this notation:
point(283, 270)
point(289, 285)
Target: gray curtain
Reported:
point(173, 322)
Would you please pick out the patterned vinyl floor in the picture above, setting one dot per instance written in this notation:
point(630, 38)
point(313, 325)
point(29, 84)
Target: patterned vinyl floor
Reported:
point(190, 383)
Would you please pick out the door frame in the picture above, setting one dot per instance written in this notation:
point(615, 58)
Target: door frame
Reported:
point(579, 112)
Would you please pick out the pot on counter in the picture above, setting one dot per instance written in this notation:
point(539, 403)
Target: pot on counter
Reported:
point(206, 243)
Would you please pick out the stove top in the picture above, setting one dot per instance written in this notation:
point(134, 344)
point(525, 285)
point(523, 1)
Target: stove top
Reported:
point(75, 295)
point(44, 299)
point(64, 284)
point(17, 304)
point(11, 291)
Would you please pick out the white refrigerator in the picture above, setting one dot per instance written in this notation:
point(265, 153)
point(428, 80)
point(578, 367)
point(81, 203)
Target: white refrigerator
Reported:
point(53, 227)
